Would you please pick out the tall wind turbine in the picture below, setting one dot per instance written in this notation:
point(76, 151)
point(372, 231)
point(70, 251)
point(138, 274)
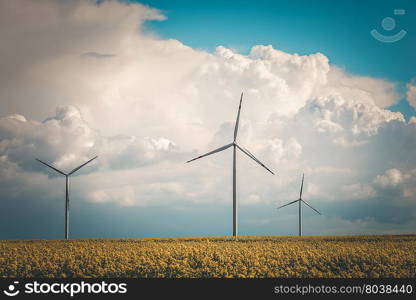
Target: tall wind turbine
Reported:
point(66, 190)
point(246, 152)
point(300, 200)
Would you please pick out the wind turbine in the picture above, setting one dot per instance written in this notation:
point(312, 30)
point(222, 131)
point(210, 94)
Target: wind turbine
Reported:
point(300, 200)
point(246, 152)
point(66, 190)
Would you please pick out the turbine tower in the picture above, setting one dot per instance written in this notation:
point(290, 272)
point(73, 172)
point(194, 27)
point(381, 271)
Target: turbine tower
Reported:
point(300, 200)
point(66, 190)
point(246, 152)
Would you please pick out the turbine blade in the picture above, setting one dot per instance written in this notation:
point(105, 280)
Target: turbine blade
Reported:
point(212, 152)
point(238, 118)
point(77, 168)
point(310, 206)
point(288, 204)
point(301, 187)
point(248, 153)
point(51, 167)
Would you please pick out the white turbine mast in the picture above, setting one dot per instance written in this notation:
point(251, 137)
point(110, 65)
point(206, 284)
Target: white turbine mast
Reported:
point(300, 200)
point(246, 152)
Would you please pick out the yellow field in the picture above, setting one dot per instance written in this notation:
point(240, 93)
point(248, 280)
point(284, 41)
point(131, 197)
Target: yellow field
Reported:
point(359, 256)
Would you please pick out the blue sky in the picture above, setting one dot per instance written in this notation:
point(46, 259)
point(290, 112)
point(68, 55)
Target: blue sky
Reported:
point(339, 29)
point(146, 88)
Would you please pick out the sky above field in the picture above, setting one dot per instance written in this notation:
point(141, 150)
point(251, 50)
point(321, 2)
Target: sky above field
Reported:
point(147, 86)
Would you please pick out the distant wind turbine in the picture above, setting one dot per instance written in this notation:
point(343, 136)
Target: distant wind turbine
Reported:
point(300, 200)
point(66, 190)
point(246, 152)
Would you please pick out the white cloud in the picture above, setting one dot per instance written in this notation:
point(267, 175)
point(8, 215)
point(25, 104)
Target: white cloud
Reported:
point(369, 90)
point(347, 121)
point(404, 182)
point(411, 92)
point(391, 178)
point(251, 199)
point(66, 140)
point(359, 191)
point(145, 105)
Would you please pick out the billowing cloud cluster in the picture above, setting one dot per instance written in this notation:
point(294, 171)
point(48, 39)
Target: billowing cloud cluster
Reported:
point(411, 93)
point(146, 105)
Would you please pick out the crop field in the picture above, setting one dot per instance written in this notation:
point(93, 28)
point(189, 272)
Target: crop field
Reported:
point(244, 257)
